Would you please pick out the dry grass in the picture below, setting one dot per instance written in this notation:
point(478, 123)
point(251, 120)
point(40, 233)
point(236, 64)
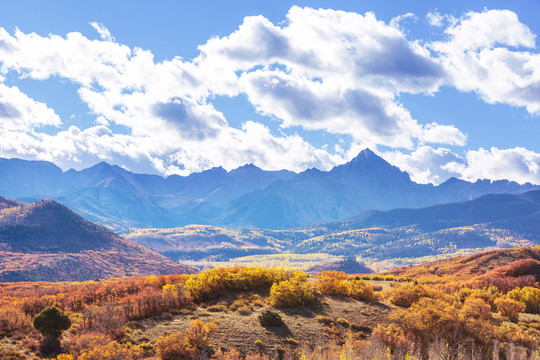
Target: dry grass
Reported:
point(301, 324)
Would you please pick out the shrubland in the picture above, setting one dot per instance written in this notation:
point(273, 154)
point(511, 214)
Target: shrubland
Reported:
point(423, 316)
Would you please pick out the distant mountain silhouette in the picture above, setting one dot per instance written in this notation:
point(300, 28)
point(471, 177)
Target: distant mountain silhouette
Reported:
point(48, 242)
point(492, 208)
point(246, 196)
point(366, 182)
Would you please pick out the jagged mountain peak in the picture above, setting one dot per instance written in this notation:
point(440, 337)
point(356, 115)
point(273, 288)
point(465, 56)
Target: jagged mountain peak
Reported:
point(245, 169)
point(368, 163)
point(216, 170)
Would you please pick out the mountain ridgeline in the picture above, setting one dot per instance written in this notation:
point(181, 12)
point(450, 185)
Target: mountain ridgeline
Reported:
point(246, 196)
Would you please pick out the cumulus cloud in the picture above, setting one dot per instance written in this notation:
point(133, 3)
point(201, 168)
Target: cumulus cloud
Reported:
point(483, 54)
point(436, 165)
point(516, 164)
point(20, 112)
point(333, 71)
point(428, 165)
point(329, 70)
point(325, 70)
point(188, 120)
point(395, 22)
point(434, 18)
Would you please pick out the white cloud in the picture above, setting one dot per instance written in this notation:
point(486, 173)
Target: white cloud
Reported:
point(429, 165)
point(103, 32)
point(481, 55)
point(395, 22)
point(20, 112)
point(443, 134)
point(426, 164)
point(335, 71)
point(516, 164)
point(489, 28)
point(434, 18)
point(329, 70)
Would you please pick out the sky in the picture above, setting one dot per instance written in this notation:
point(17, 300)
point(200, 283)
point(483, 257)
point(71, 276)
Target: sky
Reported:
point(439, 89)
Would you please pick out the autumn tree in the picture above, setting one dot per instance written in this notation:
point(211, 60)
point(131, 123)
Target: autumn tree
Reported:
point(509, 308)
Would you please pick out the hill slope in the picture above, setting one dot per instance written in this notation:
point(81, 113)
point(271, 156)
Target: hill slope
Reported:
point(506, 263)
point(490, 221)
point(45, 241)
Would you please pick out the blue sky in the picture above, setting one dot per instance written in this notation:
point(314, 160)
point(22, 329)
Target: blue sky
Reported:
point(439, 89)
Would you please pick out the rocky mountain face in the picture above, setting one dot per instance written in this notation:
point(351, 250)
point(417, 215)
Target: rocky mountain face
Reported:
point(246, 196)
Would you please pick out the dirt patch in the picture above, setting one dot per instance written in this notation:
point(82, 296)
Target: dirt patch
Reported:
point(302, 325)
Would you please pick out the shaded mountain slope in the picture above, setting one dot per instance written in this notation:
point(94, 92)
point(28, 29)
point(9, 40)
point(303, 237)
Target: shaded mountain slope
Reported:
point(366, 182)
point(487, 208)
point(246, 196)
point(47, 241)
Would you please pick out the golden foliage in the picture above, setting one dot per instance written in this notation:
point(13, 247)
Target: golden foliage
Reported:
point(191, 344)
point(476, 308)
point(113, 351)
point(291, 293)
point(213, 283)
point(407, 294)
point(509, 308)
point(338, 283)
point(528, 296)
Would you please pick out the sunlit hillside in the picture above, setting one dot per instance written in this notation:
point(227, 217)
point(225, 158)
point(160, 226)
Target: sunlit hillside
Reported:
point(488, 310)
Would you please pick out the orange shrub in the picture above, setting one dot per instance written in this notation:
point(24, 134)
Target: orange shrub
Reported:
point(76, 345)
point(337, 283)
point(11, 319)
point(198, 334)
point(174, 347)
point(292, 293)
point(232, 354)
point(194, 343)
point(428, 320)
point(331, 283)
point(391, 336)
point(407, 294)
point(476, 308)
point(360, 290)
point(488, 294)
point(509, 309)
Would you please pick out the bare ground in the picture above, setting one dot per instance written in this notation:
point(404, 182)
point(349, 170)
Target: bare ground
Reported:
point(302, 327)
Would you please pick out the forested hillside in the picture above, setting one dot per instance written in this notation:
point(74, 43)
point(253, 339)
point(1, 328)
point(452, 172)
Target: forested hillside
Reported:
point(45, 241)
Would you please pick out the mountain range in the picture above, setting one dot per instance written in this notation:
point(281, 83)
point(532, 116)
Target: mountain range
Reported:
point(45, 241)
point(243, 197)
point(490, 221)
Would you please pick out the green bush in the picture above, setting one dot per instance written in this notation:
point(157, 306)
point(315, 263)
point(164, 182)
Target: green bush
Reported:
point(270, 318)
point(50, 322)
